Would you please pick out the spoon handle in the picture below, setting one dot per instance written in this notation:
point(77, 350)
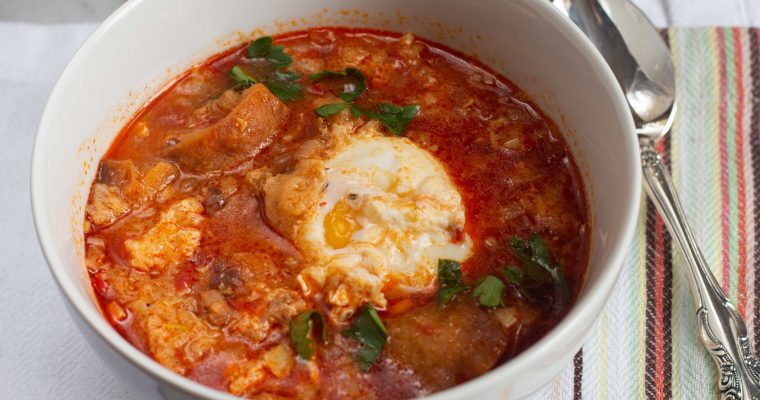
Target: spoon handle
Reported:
point(721, 328)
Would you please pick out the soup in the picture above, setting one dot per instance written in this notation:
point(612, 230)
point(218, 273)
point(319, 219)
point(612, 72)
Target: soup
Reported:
point(337, 213)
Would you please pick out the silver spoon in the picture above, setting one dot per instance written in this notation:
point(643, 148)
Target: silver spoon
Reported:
point(641, 63)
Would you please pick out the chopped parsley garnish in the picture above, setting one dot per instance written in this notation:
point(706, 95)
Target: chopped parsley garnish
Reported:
point(327, 110)
point(515, 276)
point(450, 281)
point(351, 90)
point(354, 89)
point(285, 75)
point(371, 333)
point(395, 118)
point(283, 85)
point(280, 82)
point(355, 111)
point(489, 291)
point(301, 328)
point(262, 48)
point(536, 273)
point(241, 78)
point(326, 74)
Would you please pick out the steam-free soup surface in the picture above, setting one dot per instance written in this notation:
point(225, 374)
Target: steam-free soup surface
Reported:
point(398, 225)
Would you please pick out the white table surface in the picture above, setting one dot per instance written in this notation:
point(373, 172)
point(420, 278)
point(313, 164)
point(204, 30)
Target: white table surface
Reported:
point(42, 355)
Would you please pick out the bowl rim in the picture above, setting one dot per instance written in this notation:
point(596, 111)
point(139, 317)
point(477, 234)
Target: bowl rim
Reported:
point(583, 310)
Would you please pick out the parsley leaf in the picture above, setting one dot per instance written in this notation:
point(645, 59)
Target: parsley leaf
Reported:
point(537, 272)
point(534, 257)
point(278, 57)
point(351, 90)
point(326, 74)
point(287, 75)
point(241, 78)
point(516, 278)
point(355, 89)
point(262, 48)
point(393, 117)
point(514, 275)
point(489, 291)
point(355, 111)
point(396, 118)
point(300, 327)
point(282, 84)
point(327, 110)
point(450, 281)
point(371, 333)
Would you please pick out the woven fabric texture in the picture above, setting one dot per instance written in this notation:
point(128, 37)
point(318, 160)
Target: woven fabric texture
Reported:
point(645, 345)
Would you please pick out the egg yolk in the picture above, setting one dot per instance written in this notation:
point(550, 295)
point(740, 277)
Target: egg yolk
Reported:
point(339, 226)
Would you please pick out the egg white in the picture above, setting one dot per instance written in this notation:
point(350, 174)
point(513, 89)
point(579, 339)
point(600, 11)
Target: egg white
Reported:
point(406, 212)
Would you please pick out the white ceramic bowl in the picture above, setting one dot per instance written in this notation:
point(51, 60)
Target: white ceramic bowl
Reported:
point(144, 44)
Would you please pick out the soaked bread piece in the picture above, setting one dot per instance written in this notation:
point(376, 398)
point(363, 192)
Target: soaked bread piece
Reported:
point(447, 347)
point(250, 127)
point(171, 241)
point(106, 204)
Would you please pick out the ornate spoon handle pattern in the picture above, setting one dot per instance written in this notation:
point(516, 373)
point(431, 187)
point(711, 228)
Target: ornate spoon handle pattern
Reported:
point(721, 328)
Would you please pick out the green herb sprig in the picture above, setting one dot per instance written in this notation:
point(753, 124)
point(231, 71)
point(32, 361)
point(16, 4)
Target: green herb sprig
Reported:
point(262, 48)
point(280, 82)
point(371, 333)
point(536, 273)
point(394, 117)
point(327, 110)
point(533, 278)
point(283, 85)
point(300, 329)
point(351, 90)
point(241, 78)
point(450, 281)
point(489, 290)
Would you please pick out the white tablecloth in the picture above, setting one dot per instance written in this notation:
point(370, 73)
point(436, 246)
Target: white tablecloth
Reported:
point(42, 355)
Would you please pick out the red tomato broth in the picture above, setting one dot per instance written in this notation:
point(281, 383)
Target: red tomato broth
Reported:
point(509, 162)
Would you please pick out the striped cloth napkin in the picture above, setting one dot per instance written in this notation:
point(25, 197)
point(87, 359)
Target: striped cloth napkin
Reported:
point(645, 345)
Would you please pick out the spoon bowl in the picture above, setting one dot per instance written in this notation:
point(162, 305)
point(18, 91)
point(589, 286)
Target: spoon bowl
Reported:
point(638, 57)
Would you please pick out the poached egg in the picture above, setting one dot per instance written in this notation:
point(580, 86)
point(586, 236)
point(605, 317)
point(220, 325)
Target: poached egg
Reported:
point(372, 216)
